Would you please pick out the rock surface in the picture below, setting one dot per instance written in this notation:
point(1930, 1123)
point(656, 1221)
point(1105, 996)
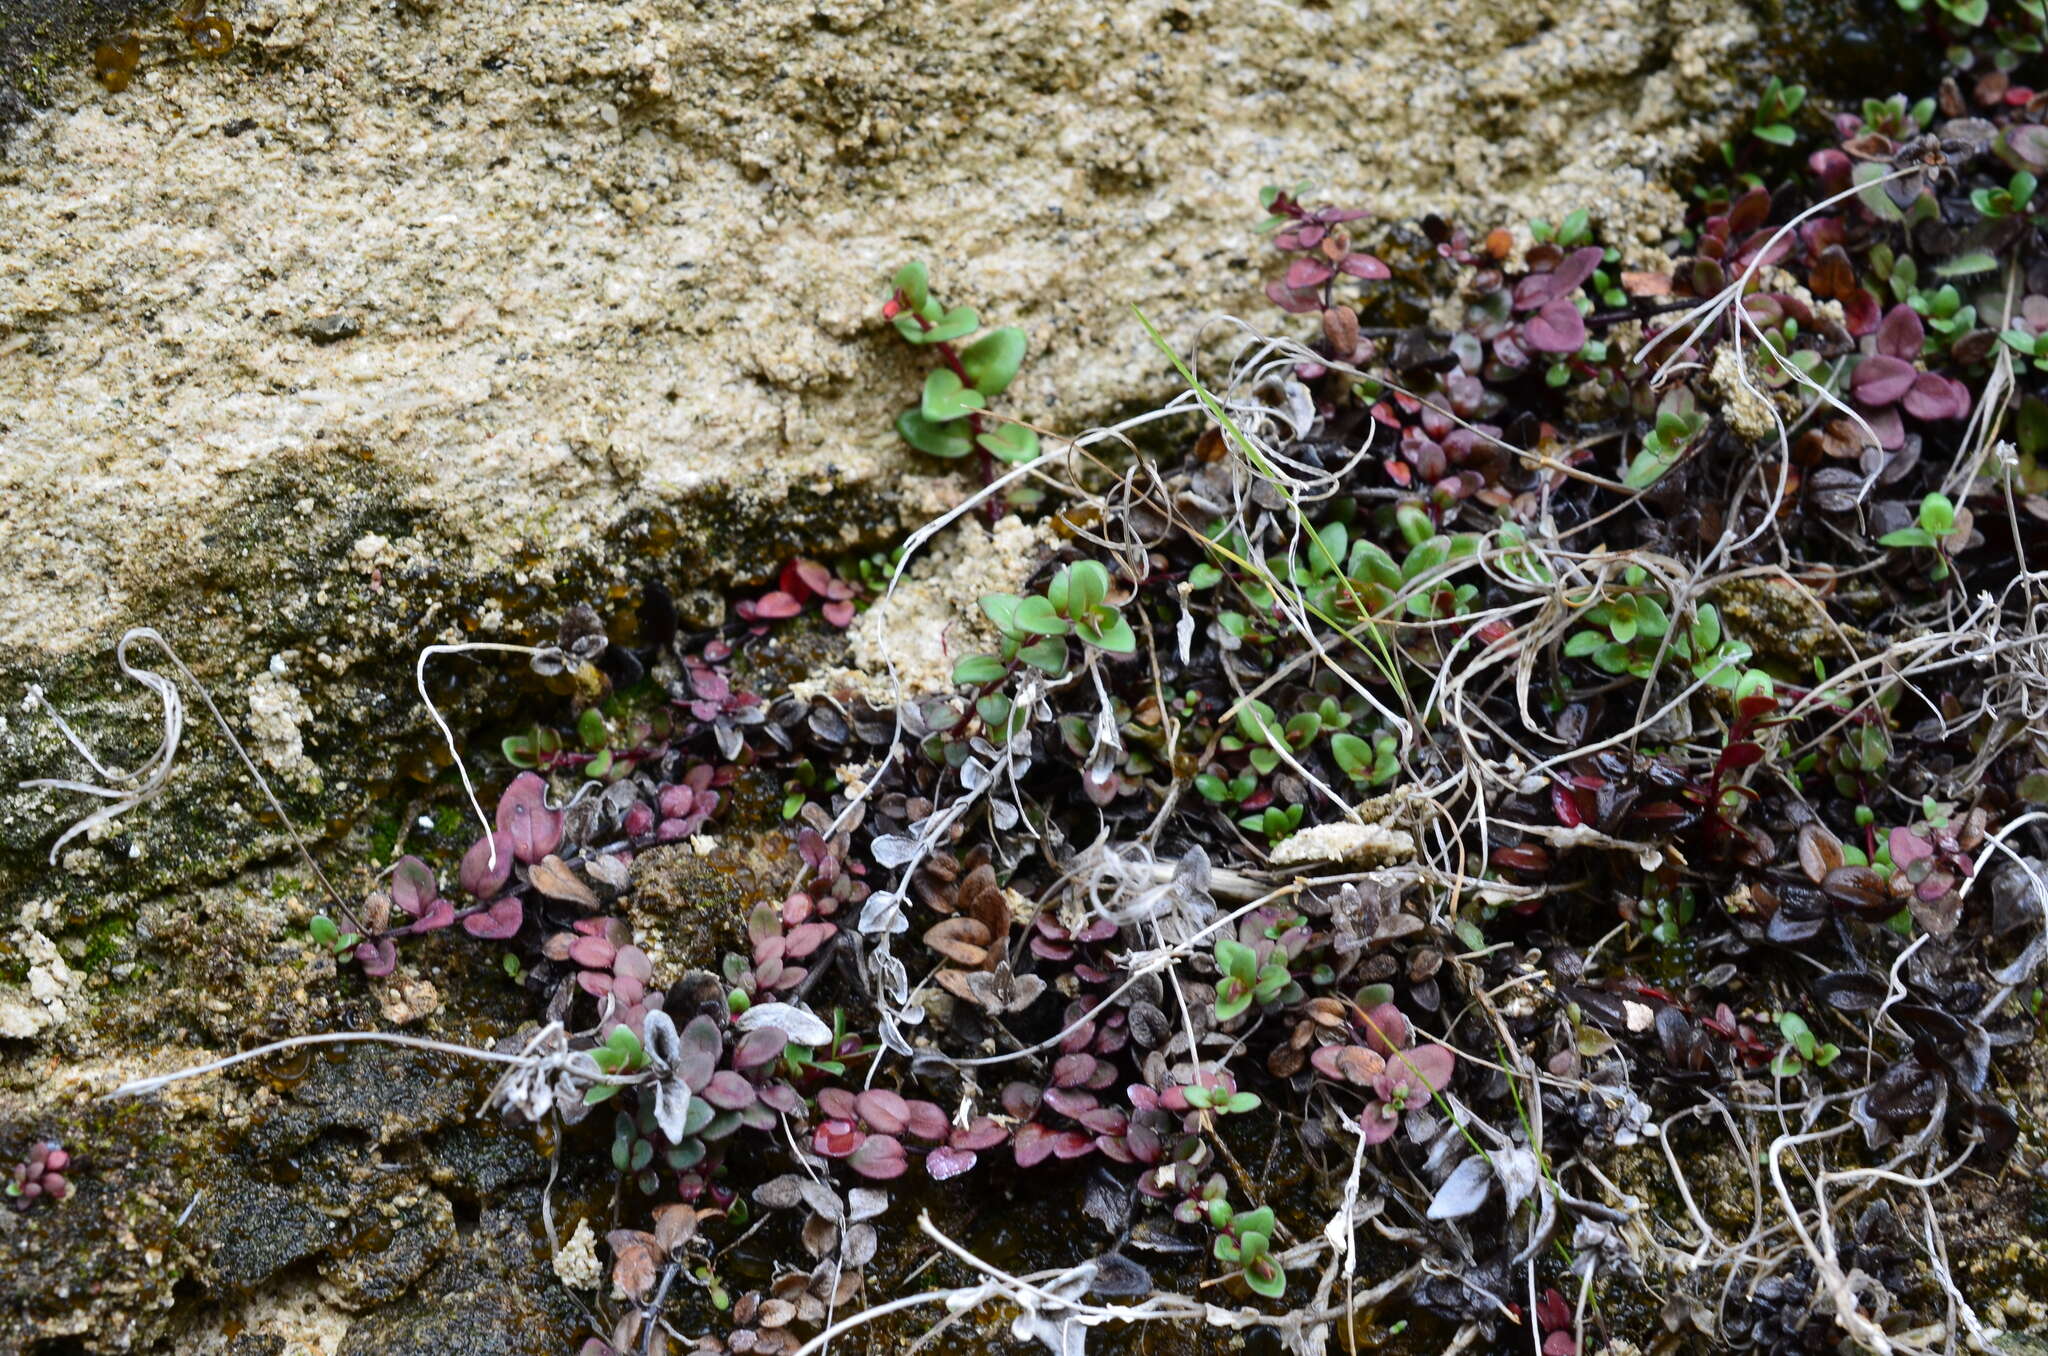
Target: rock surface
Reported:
point(532, 268)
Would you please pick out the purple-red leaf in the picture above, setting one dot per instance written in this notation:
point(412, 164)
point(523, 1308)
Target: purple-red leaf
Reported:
point(413, 887)
point(927, 1120)
point(1071, 1071)
point(1934, 396)
point(1032, 1144)
point(776, 605)
point(478, 876)
point(440, 913)
point(805, 938)
point(377, 958)
point(1901, 335)
point(1291, 300)
point(979, 1133)
point(1309, 272)
point(728, 1091)
point(524, 817)
point(1881, 379)
point(498, 922)
point(701, 1045)
point(883, 1110)
point(762, 1045)
point(1740, 755)
point(944, 1162)
point(1072, 1144)
point(879, 1158)
point(1431, 1063)
point(837, 1138)
point(1557, 328)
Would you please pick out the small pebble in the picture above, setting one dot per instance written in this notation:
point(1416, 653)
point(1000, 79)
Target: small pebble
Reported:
point(330, 329)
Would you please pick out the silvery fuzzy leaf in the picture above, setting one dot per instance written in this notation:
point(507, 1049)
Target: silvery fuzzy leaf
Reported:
point(672, 1109)
point(1184, 631)
point(864, 1203)
point(1004, 814)
point(1518, 1172)
point(659, 1039)
point(822, 1199)
point(883, 912)
point(857, 1246)
point(1464, 1191)
point(799, 1026)
point(1301, 406)
point(1066, 1333)
point(893, 850)
point(892, 978)
point(780, 1193)
point(610, 872)
point(1118, 1277)
point(1191, 874)
point(730, 742)
point(974, 775)
point(1000, 991)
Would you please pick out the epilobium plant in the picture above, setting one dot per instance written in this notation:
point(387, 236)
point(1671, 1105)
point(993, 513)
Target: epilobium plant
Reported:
point(952, 418)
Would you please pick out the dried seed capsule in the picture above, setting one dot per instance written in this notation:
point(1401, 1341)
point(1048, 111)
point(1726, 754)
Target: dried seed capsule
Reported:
point(211, 35)
point(115, 60)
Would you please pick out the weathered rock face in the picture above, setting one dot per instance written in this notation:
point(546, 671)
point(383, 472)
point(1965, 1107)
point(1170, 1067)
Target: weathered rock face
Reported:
point(407, 321)
point(529, 267)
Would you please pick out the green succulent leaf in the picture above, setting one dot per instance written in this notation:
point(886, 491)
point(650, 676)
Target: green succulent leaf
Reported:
point(1370, 562)
point(913, 281)
point(1259, 1221)
point(1426, 556)
point(957, 323)
point(1266, 1277)
point(1038, 616)
point(1001, 608)
point(992, 360)
point(1354, 756)
point(1048, 656)
point(977, 670)
point(932, 439)
point(1938, 515)
point(1012, 443)
point(1236, 959)
point(1114, 635)
point(946, 399)
point(1087, 586)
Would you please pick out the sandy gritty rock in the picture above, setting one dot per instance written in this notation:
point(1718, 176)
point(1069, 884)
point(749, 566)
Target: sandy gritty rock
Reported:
point(544, 265)
point(1344, 841)
point(931, 619)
